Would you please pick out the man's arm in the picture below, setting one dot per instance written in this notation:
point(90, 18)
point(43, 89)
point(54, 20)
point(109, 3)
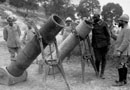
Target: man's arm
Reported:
point(5, 34)
point(125, 42)
point(19, 31)
point(112, 35)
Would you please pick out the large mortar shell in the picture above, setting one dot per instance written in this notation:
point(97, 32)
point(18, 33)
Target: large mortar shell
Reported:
point(83, 29)
point(23, 60)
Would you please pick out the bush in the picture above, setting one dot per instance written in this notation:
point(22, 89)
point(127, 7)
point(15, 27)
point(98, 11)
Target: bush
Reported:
point(2, 1)
point(23, 14)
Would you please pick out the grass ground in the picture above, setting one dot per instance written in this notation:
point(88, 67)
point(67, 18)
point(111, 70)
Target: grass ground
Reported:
point(73, 74)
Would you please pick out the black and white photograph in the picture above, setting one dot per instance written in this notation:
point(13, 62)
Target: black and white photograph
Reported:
point(64, 45)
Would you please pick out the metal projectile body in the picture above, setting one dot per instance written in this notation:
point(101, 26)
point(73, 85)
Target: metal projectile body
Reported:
point(17, 69)
point(83, 29)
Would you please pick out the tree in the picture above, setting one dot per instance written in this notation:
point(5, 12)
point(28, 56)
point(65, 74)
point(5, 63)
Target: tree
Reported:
point(62, 8)
point(70, 11)
point(2, 1)
point(16, 3)
point(30, 4)
point(53, 6)
point(86, 7)
point(111, 12)
point(27, 4)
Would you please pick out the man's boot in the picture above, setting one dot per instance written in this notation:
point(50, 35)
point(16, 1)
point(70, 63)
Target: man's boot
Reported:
point(97, 66)
point(120, 74)
point(122, 71)
point(102, 75)
point(102, 70)
point(125, 70)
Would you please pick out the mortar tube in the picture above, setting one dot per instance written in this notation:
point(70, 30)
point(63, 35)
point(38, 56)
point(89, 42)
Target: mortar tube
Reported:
point(83, 29)
point(23, 60)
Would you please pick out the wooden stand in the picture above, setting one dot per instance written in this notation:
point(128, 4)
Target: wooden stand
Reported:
point(53, 62)
point(56, 64)
point(85, 56)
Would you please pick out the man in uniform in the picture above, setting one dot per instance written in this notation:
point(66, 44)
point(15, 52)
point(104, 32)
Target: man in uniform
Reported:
point(122, 48)
point(67, 30)
point(11, 34)
point(29, 33)
point(100, 43)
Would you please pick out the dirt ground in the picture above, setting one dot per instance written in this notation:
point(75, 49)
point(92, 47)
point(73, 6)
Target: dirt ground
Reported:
point(73, 74)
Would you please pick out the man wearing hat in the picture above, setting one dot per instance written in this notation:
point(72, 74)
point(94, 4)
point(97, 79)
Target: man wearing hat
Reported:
point(29, 33)
point(11, 34)
point(100, 42)
point(122, 48)
point(67, 30)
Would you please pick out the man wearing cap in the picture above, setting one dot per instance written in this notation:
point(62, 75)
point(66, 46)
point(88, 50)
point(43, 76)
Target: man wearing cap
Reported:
point(100, 43)
point(11, 34)
point(122, 48)
point(68, 27)
point(67, 30)
point(29, 33)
